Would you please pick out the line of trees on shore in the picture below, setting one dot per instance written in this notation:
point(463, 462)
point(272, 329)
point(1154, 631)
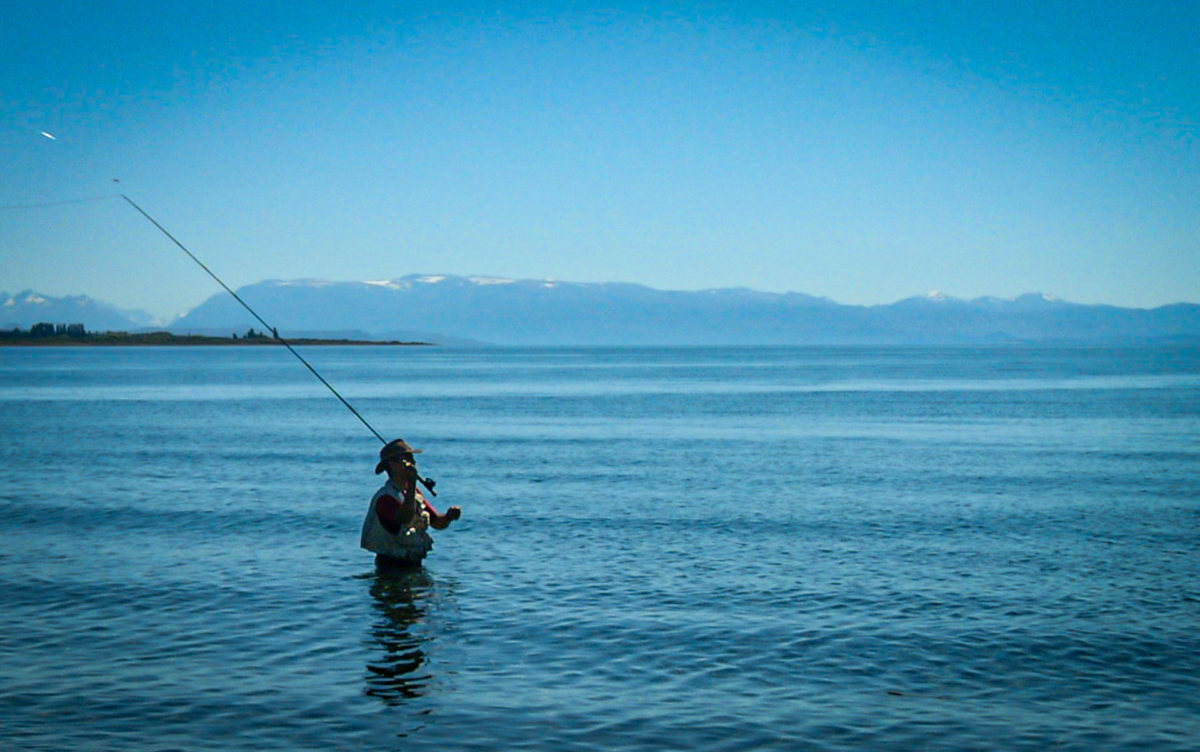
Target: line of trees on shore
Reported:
point(72, 334)
point(45, 331)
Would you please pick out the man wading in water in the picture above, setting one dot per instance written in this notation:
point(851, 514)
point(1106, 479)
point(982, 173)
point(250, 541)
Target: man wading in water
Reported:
point(394, 529)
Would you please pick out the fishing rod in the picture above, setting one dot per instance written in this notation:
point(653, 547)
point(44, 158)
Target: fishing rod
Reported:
point(427, 482)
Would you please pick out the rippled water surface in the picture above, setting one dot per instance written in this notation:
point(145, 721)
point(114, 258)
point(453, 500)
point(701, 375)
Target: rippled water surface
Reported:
point(694, 549)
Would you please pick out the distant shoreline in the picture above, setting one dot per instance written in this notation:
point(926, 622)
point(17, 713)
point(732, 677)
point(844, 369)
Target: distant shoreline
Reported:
point(160, 339)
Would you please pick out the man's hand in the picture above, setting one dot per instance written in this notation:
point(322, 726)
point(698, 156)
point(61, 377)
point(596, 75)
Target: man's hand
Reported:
point(442, 521)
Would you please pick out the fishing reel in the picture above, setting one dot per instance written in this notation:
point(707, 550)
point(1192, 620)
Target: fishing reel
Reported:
point(429, 483)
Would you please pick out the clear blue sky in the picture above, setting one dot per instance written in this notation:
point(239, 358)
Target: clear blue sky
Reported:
point(863, 151)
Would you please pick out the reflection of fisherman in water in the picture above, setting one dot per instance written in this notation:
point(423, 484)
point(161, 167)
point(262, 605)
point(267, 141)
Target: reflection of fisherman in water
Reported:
point(399, 673)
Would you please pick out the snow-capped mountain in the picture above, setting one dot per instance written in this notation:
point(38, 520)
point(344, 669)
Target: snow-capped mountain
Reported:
point(453, 309)
point(496, 310)
point(27, 308)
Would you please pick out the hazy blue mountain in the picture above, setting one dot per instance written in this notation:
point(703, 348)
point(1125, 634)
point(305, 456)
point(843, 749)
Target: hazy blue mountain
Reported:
point(456, 310)
point(27, 308)
point(443, 308)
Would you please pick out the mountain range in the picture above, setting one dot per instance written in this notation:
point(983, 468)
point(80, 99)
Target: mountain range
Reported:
point(488, 310)
point(28, 308)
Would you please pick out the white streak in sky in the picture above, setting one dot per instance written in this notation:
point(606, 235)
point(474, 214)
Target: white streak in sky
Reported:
point(50, 136)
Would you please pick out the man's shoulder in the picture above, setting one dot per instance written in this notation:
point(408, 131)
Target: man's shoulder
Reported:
point(383, 494)
point(388, 489)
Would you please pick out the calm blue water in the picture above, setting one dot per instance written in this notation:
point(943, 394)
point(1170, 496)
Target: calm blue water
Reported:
point(692, 549)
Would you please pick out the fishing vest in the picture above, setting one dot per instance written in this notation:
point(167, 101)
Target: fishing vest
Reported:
point(412, 542)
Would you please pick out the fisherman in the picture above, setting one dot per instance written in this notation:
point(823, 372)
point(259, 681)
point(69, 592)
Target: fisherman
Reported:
point(395, 526)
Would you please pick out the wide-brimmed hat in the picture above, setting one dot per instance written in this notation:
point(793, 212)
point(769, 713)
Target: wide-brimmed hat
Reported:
point(393, 450)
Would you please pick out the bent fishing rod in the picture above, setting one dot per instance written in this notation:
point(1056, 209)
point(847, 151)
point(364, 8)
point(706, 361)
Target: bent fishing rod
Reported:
point(429, 483)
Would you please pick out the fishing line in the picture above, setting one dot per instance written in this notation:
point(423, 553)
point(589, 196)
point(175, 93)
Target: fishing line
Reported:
point(427, 482)
point(273, 330)
point(109, 197)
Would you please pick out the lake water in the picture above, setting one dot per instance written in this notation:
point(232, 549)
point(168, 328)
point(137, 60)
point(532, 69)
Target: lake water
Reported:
point(661, 549)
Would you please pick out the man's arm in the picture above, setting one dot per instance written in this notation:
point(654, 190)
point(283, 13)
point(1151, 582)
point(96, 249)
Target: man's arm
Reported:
point(395, 514)
point(387, 509)
point(437, 520)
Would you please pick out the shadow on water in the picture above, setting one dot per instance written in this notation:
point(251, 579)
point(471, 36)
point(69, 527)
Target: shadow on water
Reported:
point(399, 673)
